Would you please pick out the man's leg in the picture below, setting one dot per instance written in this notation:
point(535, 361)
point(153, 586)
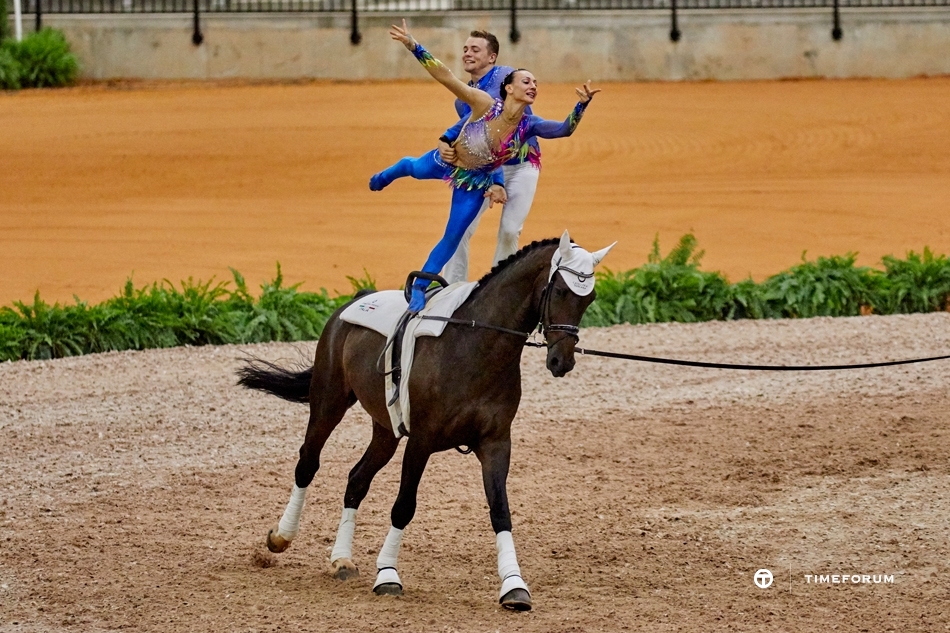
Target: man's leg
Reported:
point(457, 268)
point(521, 182)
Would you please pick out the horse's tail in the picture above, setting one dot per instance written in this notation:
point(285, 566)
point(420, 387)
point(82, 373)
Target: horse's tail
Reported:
point(276, 380)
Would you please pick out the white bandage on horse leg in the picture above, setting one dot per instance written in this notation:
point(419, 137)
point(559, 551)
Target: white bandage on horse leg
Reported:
point(343, 548)
point(289, 523)
point(388, 558)
point(389, 555)
point(508, 569)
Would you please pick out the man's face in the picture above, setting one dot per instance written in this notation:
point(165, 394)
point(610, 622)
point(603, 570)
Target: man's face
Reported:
point(476, 56)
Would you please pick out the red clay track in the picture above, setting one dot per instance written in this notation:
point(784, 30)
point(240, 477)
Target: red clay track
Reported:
point(170, 181)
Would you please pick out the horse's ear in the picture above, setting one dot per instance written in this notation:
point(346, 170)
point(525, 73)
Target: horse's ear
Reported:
point(601, 254)
point(565, 246)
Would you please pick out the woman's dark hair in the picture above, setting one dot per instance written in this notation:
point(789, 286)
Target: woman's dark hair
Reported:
point(508, 79)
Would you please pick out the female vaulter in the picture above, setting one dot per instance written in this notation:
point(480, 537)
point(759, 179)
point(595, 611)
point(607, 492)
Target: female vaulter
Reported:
point(496, 131)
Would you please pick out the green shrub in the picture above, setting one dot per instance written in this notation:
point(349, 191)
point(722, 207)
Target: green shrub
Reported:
point(830, 286)
point(45, 60)
point(9, 68)
point(670, 288)
point(921, 283)
point(163, 315)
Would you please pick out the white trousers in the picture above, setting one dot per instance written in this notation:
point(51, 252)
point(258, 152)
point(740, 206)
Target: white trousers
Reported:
point(521, 181)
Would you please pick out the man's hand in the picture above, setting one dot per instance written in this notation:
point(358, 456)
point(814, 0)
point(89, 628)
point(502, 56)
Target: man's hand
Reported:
point(496, 193)
point(447, 153)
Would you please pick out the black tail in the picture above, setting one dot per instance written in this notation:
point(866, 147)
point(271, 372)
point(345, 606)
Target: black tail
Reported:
point(274, 379)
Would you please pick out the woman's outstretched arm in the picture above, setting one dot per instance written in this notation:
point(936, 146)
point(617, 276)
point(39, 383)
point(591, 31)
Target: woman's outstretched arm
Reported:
point(558, 129)
point(476, 99)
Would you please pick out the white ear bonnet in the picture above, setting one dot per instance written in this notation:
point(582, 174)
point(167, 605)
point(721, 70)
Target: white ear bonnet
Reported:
point(576, 265)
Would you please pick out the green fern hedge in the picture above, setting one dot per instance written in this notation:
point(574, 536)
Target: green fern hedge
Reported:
point(42, 60)
point(666, 288)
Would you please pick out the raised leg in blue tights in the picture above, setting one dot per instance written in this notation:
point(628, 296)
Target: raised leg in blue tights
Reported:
point(426, 167)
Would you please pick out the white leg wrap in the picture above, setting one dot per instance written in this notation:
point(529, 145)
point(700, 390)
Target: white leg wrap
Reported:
point(389, 555)
point(508, 569)
point(388, 559)
point(343, 548)
point(289, 523)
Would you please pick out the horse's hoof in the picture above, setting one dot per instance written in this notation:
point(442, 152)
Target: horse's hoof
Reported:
point(517, 600)
point(275, 542)
point(388, 589)
point(344, 569)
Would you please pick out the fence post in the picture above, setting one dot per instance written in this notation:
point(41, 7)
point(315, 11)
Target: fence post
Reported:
point(355, 36)
point(836, 32)
point(675, 32)
point(17, 21)
point(514, 35)
point(39, 15)
point(197, 38)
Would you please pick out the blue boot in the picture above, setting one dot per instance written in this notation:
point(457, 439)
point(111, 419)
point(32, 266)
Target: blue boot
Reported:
point(378, 182)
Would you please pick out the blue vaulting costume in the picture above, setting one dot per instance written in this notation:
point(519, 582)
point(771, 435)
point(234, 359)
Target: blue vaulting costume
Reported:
point(469, 184)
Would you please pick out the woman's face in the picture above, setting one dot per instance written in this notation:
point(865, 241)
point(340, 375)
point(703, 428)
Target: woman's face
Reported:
point(524, 87)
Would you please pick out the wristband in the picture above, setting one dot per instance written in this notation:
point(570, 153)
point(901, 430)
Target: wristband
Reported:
point(445, 139)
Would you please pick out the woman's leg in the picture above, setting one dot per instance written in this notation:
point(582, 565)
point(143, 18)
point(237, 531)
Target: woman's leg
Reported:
point(465, 206)
point(426, 167)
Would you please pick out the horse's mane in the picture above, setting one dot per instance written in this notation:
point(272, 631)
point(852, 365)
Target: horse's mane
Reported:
point(505, 263)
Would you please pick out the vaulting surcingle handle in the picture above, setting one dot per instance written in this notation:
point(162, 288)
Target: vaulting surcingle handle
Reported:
point(418, 274)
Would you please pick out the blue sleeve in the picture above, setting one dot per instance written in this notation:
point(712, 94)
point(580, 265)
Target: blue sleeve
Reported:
point(543, 128)
point(498, 177)
point(453, 132)
point(462, 108)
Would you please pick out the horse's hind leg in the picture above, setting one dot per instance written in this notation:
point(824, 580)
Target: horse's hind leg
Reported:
point(330, 398)
point(380, 450)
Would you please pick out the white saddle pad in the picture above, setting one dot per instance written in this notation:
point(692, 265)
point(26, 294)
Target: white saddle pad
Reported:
point(381, 310)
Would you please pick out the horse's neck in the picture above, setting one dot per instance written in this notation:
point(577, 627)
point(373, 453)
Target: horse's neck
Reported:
point(509, 298)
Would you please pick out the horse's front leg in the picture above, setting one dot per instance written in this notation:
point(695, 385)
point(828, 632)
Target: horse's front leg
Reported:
point(495, 456)
point(413, 465)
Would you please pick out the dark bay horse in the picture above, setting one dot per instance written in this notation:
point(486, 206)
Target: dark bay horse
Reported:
point(465, 388)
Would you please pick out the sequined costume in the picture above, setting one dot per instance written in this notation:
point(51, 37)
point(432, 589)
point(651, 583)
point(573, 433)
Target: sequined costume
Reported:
point(521, 182)
point(470, 183)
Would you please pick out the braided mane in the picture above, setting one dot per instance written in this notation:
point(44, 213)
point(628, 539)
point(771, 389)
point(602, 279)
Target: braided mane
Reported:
point(505, 263)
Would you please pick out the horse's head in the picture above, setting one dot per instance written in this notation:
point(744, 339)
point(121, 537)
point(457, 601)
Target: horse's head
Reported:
point(569, 291)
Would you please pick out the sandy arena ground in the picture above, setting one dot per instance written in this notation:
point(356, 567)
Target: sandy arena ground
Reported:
point(168, 181)
point(138, 488)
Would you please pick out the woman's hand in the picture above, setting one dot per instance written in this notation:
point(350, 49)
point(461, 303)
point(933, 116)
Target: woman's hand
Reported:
point(584, 93)
point(496, 193)
point(402, 35)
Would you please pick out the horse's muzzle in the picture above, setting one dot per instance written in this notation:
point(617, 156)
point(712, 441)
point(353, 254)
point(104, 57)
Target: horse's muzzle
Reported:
point(561, 357)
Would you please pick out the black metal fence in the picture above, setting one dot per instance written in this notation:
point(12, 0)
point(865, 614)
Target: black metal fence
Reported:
point(514, 7)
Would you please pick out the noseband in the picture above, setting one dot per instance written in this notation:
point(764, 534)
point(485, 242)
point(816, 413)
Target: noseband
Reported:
point(546, 329)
